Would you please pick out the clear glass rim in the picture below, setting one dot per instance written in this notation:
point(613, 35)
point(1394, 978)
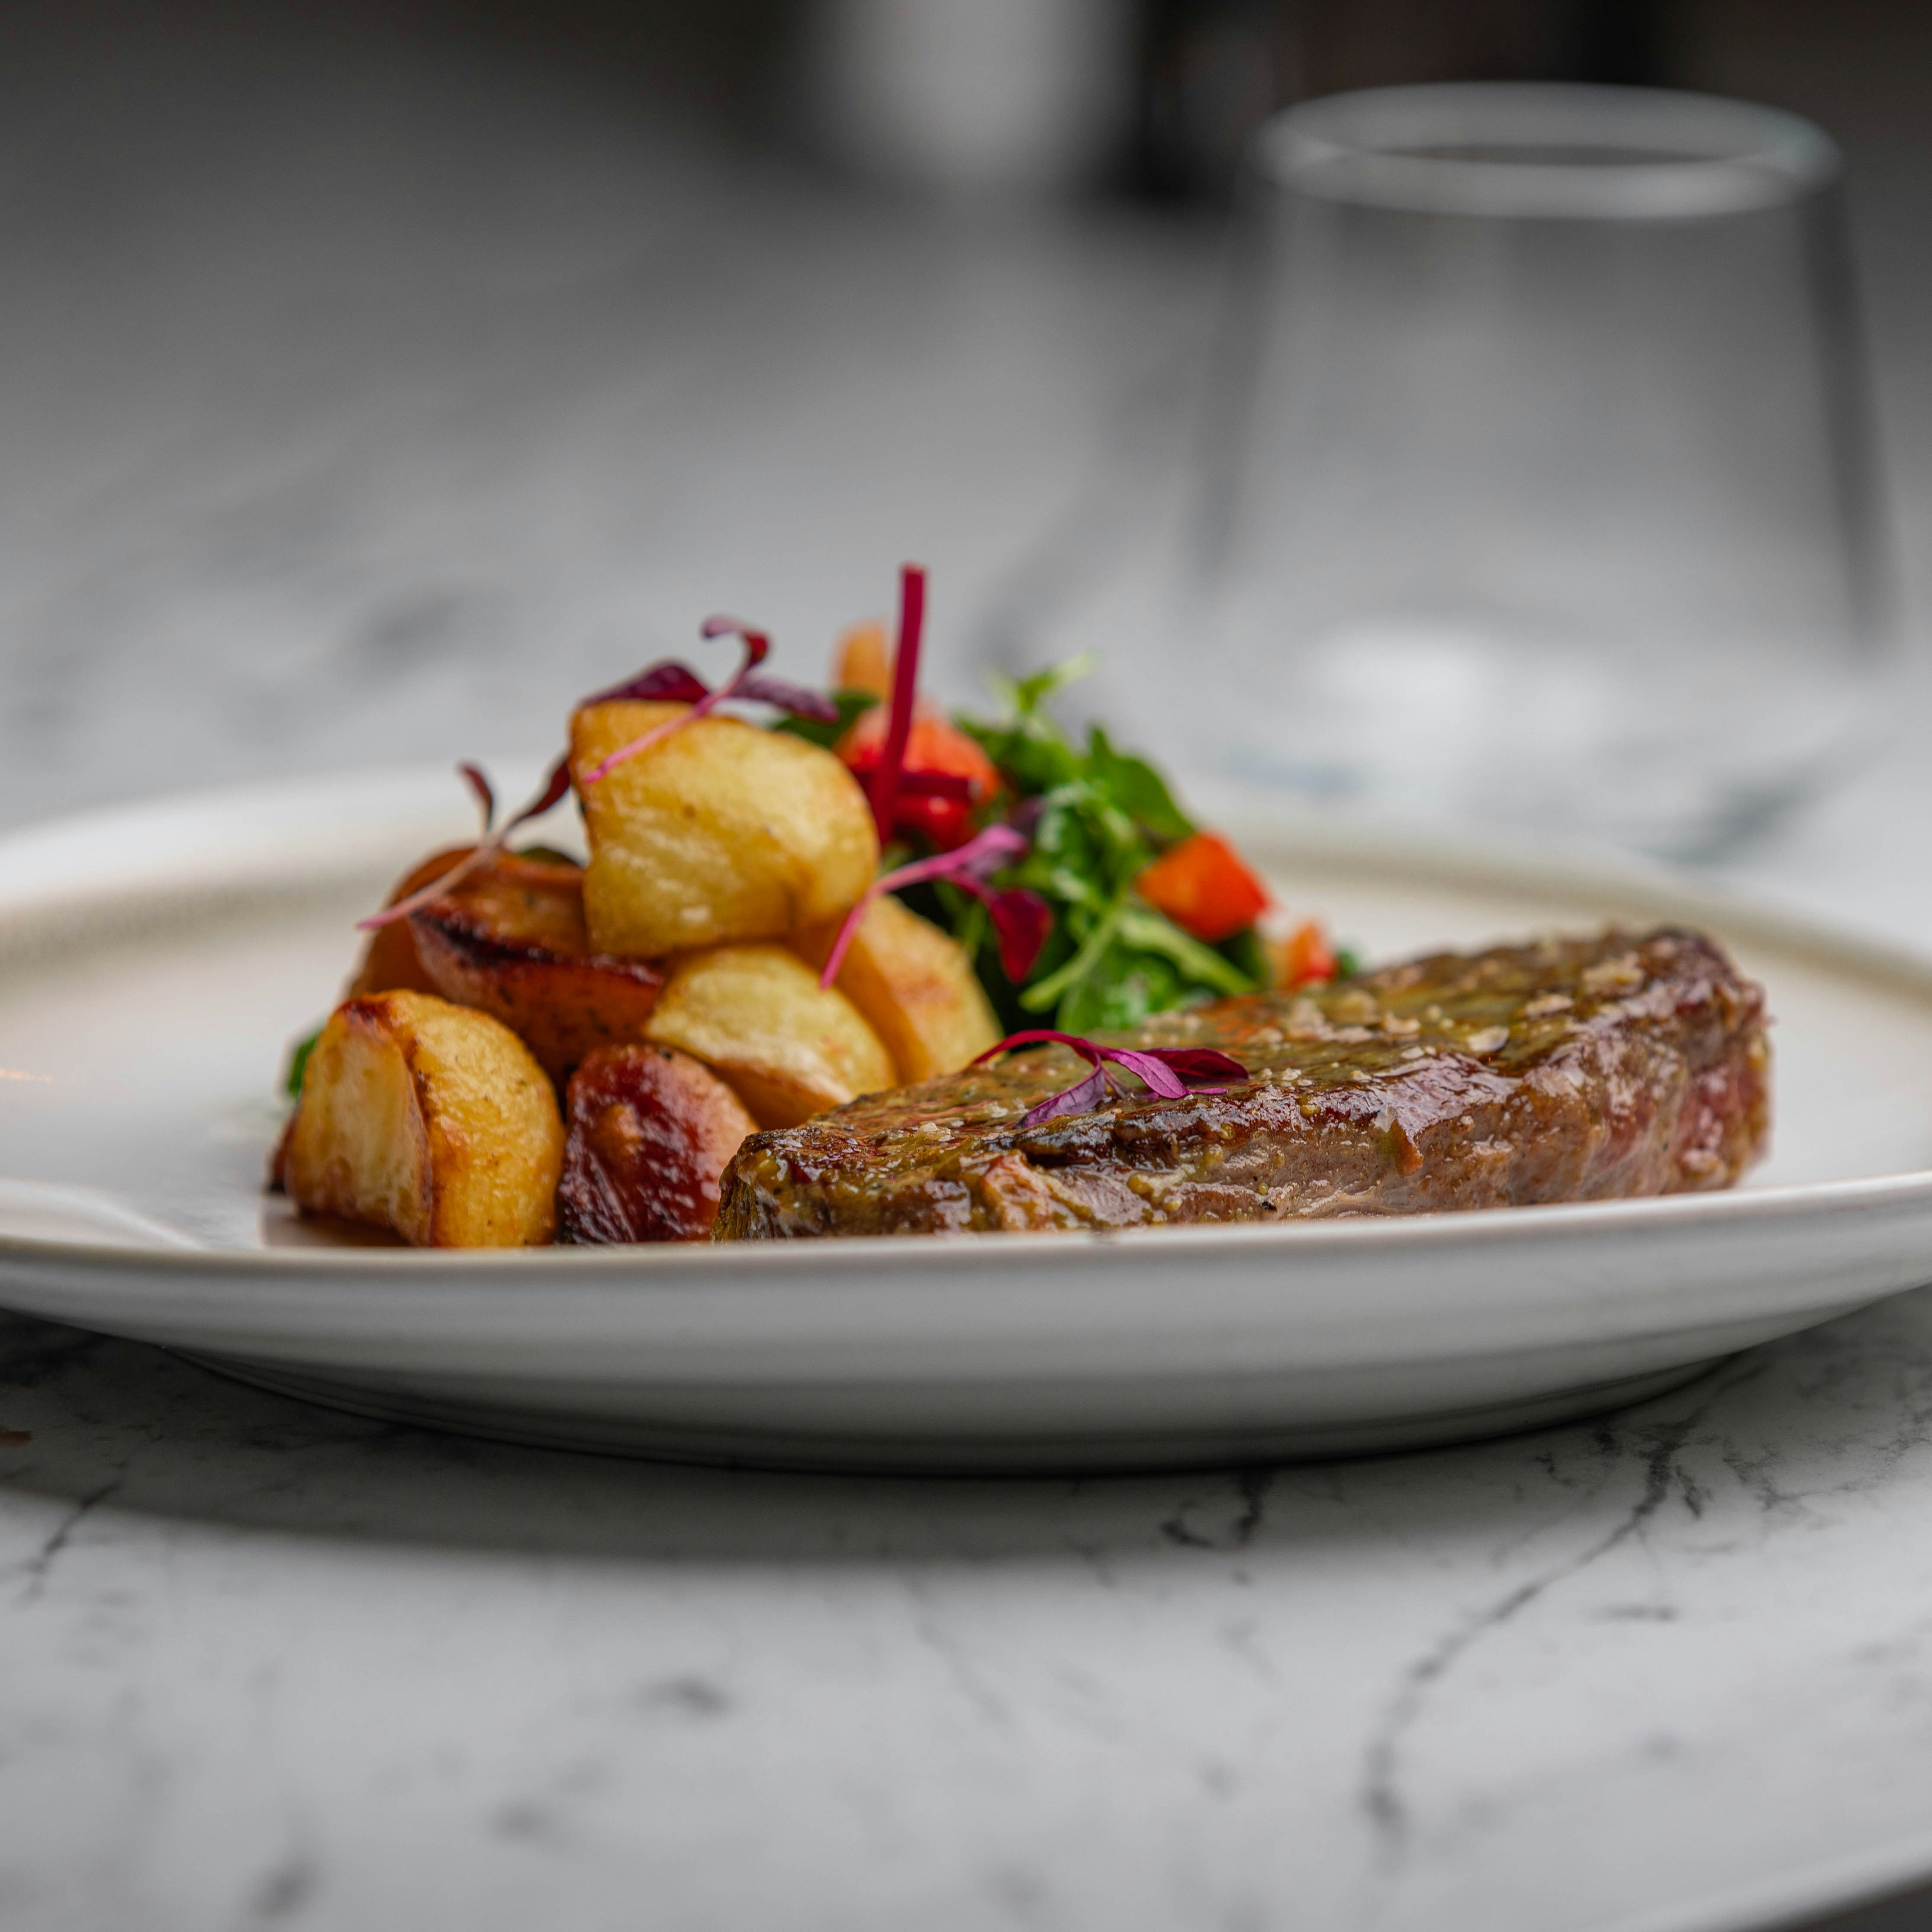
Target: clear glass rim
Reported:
point(1552, 150)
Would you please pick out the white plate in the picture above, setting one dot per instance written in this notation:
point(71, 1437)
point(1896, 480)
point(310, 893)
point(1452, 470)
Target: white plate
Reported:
point(154, 962)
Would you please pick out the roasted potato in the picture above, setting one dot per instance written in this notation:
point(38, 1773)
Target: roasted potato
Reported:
point(914, 984)
point(722, 833)
point(511, 941)
point(649, 1132)
point(390, 963)
point(429, 1120)
point(756, 1016)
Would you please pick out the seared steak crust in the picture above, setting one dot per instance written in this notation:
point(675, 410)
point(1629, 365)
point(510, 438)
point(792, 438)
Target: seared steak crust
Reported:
point(1568, 1070)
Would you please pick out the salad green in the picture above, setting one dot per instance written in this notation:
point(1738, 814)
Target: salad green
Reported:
point(1097, 816)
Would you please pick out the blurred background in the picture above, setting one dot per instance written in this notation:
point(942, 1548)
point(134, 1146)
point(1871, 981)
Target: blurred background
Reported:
point(375, 377)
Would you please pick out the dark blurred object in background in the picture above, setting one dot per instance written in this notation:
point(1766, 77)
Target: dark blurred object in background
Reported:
point(726, 65)
point(1161, 94)
point(973, 96)
point(1212, 70)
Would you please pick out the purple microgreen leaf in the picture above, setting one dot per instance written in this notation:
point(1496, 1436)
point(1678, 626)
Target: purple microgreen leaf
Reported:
point(757, 643)
point(554, 787)
point(757, 647)
point(1200, 1062)
point(985, 852)
point(444, 882)
point(1159, 1079)
point(1021, 921)
point(1085, 1097)
point(847, 932)
point(666, 681)
point(1025, 816)
point(473, 775)
point(1158, 1066)
point(792, 697)
point(1043, 1036)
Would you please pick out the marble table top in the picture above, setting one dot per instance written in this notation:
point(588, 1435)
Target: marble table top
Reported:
point(266, 1664)
point(350, 413)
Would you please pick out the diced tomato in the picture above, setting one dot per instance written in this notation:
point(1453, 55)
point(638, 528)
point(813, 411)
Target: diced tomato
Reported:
point(1203, 885)
point(1304, 958)
point(933, 746)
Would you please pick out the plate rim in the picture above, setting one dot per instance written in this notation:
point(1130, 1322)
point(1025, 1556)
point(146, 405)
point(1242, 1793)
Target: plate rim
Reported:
point(222, 834)
point(953, 1252)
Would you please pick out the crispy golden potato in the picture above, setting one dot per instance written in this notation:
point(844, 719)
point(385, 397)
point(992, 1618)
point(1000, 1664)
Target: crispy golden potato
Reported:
point(650, 1133)
point(511, 941)
point(756, 1016)
point(722, 833)
point(428, 1120)
point(915, 986)
point(389, 963)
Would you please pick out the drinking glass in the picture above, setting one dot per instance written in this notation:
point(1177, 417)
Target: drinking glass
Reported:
point(1541, 484)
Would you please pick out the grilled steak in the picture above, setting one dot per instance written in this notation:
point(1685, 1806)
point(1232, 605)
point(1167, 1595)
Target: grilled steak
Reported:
point(1567, 1070)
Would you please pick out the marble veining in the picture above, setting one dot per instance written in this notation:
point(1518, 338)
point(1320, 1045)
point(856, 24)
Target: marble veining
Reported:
point(267, 1664)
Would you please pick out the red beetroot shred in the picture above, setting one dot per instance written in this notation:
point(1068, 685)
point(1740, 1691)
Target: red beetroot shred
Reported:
point(1021, 919)
point(892, 779)
point(886, 780)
